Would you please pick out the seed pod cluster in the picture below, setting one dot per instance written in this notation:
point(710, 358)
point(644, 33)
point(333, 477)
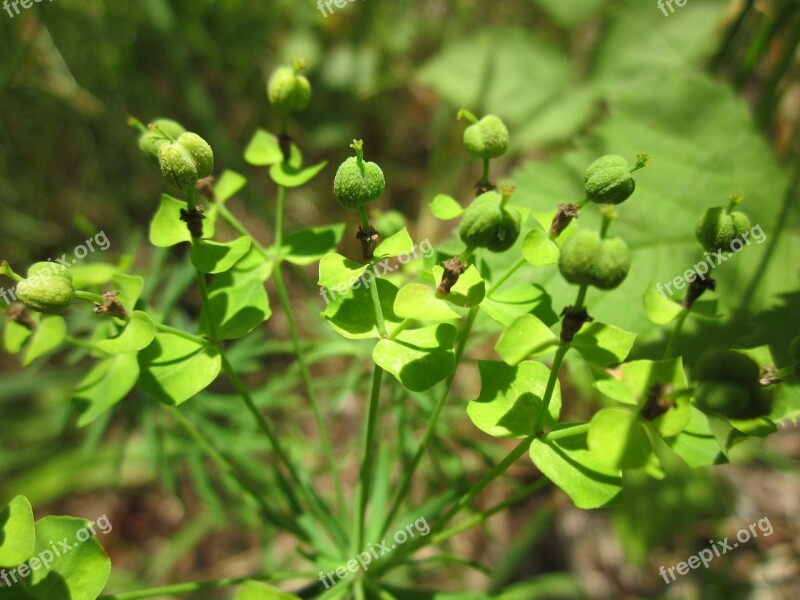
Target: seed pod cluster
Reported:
point(728, 385)
point(608, 180)
point(588, 259)
point(487, 223)
point(289, 91)
point(150, 142)
point(357, 181)
point(718, 228)
point(48, 288)
point(488, 138)
point(186, 160)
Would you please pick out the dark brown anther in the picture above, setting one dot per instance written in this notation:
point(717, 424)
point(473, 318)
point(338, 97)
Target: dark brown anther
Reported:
point(206, 187)
point(194, 221)
point(453, 269)
point(574, 319)
point(285, 143)
point(484, 186)
point(111, 306)
point(697, 286)
point(566, 213)
point(657, 403)
point(369, 241)
point(19, 313)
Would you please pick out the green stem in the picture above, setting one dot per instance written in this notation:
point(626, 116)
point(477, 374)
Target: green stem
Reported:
point(367, 458)
point(785, 372)
point(399, 329)
point(669, 351)
point(239, 227)
point(552, 380)
point(565, 432)
point(90, 296)
point(187, 588)
point(506, 276)
point(280, 521)
point(179, 332)
point(485, 176)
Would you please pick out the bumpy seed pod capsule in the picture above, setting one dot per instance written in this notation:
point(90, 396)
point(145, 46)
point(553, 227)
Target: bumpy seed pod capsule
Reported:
point(289, 91)
point(608, 180)
point(487, 223)
point(48, 288)
point(718, 228)
point(178, 166)
point(150, 142)
point(587, 259)
point(200, 151)
point(488, 138)
point(358, 182)
point(728, 385)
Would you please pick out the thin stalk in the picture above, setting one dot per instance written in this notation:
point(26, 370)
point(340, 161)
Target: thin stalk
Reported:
point(184, 334)
point(566, 432)
point(90, 296)
point(506, 276)
point(373, 289)
point(188, 588)
point(367, 458)
point(399, 329)
point(305, 371)
point(225, 465)
point(669, 351)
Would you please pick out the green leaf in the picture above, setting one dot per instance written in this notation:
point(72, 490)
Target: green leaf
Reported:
point(603, 344)
point(618, 440)
point(49, 334)
point(419, 358)
point(539, 250)
point(15, 336)
point(130, 289)
point(445, 207)
point(569, 464)
point(399, 243)
point(658, 308)
point(310, 245)
point(340, 274)
point(506, 305)
point(228, 185)
point(263, 149)
point(216, 257)
point(616, 390)
point(236, 311)
point(256, 590)
point(175, 369)
point(569, 13)
point(511, 398)
point(758, 427)
point(17, 535)
point(77, 574)
point(674, 420)
point(105, 385)
point(166, 228)
point(353, 315)
point(526, 337)
point(642, 375)
point(137, 334)
point(419, 301)
point(289, 176)
point(92, 274)
point(469, 290)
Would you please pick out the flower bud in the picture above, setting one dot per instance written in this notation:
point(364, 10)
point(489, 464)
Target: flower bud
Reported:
point(488, 138)
point(608, 180)
point(288, 91)
point(48, 288)
point(358, 182)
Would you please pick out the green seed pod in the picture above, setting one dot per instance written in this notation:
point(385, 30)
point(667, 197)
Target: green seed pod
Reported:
point(200, 151)
point(717, 228)
point(177, 166)
point(358, 182)
point(608, 180)
point(288, 91)
point(48, 288)
point(150, 142)
point(488, 138)
point(794, 349)
point(587, 259)
point(728, 385)
point(488, 224)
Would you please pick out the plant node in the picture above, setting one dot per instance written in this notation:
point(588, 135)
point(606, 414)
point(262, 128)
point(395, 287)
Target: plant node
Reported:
point(566, 213)
point(111, 306)
point(697, 287)
point(369, 239)
point(453, 269)
point(194, 221)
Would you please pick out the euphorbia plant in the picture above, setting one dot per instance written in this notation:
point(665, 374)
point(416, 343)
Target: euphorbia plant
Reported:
point(416, 327)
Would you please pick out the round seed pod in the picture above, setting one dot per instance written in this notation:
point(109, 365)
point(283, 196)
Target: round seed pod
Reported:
point(611, 265)
point(358, 182)
point(610, 184)
point(486, 223)
point(506, 232)
point(200, 151)
point(178, 166)
point(605, 162)
point(488, 138)
point(717, 228)
point(587, 259)
point(728, 385)
point(288, 91)
point(47, 289)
